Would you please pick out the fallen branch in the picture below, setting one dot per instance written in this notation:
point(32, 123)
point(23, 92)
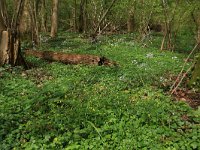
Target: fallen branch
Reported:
point(181, 79)
point(178, 81)
point(70, 58)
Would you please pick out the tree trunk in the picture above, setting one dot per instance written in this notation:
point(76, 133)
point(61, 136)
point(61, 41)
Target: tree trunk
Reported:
point(85, 26)
point(4, 47)
point(54, 19)
point(25, 19)
point(130, 22)
point(195, 80)
point(44, 16)
point(28, 25)
point(196, 19)
point(75, 16)
point(81, 16)
point(9, 35)
point(4, 37)
point(2, 22)
point(33, 7)
point(167, 42)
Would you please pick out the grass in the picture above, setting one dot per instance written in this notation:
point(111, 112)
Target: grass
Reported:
point(57, 106)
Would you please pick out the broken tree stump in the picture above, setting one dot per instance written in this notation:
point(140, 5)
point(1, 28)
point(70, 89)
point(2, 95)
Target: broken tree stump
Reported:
point(70, 58)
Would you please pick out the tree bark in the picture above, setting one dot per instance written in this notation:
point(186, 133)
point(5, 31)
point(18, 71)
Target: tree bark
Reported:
point(3, 35)
point(33, 7)
point(3, 17)
point(75, 16)
point(195, 80)
point(130, 22)
point(44, 16)
point(196, 19)
point(54, 19)
point(82, 16)
point(4, 47)
point(25, 19)
point(9, 35)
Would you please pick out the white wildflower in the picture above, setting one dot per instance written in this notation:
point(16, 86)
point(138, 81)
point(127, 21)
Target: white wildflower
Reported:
point(174, 57)
point(149, 55)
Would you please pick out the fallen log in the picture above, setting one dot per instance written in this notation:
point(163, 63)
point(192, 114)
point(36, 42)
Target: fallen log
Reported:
point(70, 58)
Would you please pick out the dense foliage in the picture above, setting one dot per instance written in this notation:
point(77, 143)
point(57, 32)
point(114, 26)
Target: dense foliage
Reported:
point(127, 106)
point(57, 106)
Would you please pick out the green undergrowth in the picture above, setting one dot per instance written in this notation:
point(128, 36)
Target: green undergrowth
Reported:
point(57, 106)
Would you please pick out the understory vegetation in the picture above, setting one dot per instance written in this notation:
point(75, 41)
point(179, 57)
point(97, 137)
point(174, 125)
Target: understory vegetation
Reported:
point(58, 106)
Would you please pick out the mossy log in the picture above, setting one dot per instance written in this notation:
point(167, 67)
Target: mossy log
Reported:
point(70, 58)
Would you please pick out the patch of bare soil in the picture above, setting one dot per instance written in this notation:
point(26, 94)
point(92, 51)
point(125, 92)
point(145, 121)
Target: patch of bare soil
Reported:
point(189, 96)
point(182, 93)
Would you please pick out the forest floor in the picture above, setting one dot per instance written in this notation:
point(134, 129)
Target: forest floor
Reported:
point(128, 106)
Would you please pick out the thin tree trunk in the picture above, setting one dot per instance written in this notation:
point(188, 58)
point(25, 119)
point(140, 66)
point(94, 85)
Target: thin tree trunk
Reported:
point(130, 22)
point(75, 16)
point(43, 17)
point(81, 16)
point(54, 19)
point(195, 80)
point(163, 41)
point(2, 16)
point(168, 26)
point(34, 22)
point(196, 19)
point(103, 17)
point(4, 37)
point(85, 26)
